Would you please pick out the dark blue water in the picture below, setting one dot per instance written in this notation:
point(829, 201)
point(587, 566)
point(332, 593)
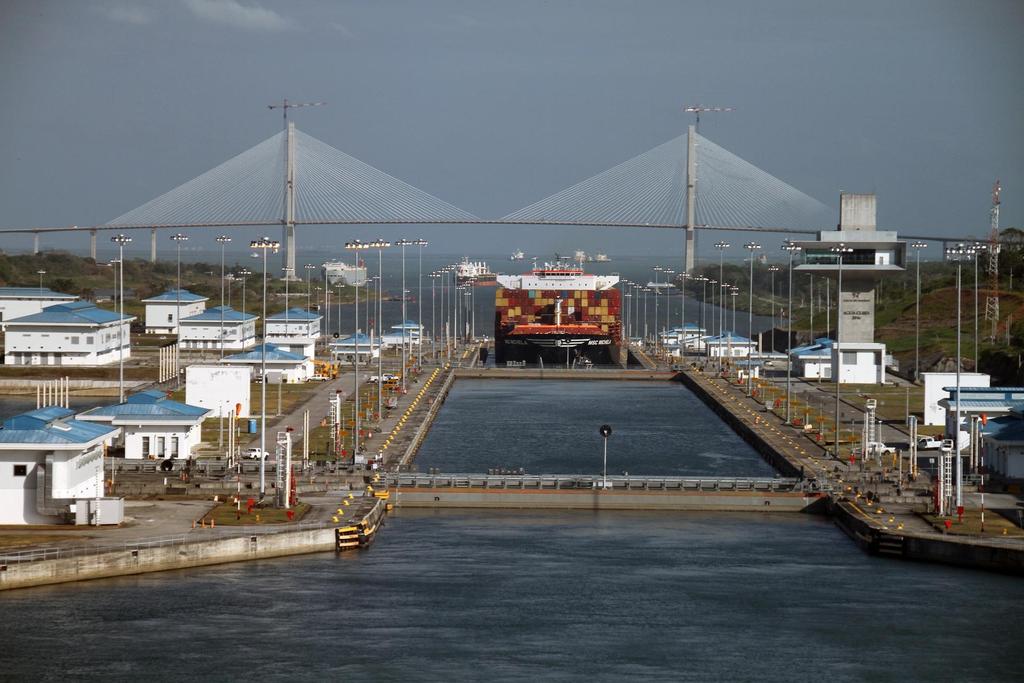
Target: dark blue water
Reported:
point(551, 427)
point(487, 595)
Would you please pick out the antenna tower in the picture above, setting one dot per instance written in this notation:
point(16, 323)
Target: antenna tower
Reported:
point(992, 300)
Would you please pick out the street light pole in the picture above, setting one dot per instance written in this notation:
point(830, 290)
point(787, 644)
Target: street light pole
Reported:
point(380, 245)
point(959, 253)
point(721, 246)
point(403, 243)
point(120, 240)
point(309, 268)
point(222, 240)
point(751, 247)
point(264, 244)
point(917, 311)
point(839, 250)
point(356, 246)
point(772, 270)
point(178, 238)
point(419, 305)
point(40, 273)
point(792, 249)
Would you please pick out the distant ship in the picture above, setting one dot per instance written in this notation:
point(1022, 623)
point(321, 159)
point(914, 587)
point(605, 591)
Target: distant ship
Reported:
point(601, 258)
point(347, 274)
point(580, 256)
point(474, 273)
point(517, 256)
point(557, 315)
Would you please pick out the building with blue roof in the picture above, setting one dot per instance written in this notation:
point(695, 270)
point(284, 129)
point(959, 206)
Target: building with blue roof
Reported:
point(153, 426)
point(689, 336)
point(1002, 441)
point(814, 360)
point(17, 302)
point(295, 330)
point(162, 310)
point(216, 326)
point(729, 345)
point(282, 365)
point(74, 333)
point(412, 332)
point(345, 350)
point(49, 463)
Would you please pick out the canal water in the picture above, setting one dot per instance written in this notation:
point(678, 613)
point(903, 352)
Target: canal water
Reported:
point(551, 427)
point(466, 595)
point(488, 595)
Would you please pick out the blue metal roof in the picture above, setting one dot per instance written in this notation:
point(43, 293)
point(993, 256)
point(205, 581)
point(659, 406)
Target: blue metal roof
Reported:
point(353, 339)
point(273, 354)
point(727, 338)
point(50, 426)
point(297, 314)
point(408, 324)
point(151, 404)
point(32, 293)
point(214, 315)
point(71, 313)
point(171, 296)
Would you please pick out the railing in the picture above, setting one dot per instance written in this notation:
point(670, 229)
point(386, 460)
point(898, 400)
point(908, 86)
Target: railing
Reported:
point(89, 550)
point(620, 483)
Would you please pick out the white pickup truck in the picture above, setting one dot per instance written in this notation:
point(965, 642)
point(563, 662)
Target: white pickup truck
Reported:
point(929, 443)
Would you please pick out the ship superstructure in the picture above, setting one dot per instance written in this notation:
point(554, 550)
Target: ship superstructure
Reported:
point(347, 274)
point(559, 316)
point(473, 272)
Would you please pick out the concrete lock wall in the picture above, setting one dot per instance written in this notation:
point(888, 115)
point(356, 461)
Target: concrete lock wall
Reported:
point(748, 501)
point(173, 556)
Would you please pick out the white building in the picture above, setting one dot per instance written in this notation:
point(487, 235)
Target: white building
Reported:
point(17, 302)
point(344, 350)
point(76, 333)
point(294, 330)
point(221, 389)
point(153, 426)
point(283, 366)
point(813, 361)
point(395, 336)
point(935, 384)
point(162, 310)
point(203, 330)
point(729, 345)
point(1003, 444)
point(48, 463)
point(859, 362)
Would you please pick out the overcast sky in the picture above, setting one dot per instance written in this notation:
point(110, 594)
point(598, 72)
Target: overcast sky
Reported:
point(494, 104)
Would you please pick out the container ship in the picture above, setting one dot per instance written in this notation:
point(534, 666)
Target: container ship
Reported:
point(474, 273)
point(558, 316)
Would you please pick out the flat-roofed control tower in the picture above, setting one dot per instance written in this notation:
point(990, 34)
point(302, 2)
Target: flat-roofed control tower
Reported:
point(867, 255)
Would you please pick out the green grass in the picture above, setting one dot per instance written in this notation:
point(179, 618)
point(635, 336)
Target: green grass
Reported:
point(227, 514)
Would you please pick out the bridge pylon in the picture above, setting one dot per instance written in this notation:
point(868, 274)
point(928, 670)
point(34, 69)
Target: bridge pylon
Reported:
point(690, 253)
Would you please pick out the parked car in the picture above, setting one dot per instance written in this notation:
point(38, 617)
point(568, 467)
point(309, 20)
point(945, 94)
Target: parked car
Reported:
point(929, 443)
point(879, 448)
point(319, 378)
point(254, 454)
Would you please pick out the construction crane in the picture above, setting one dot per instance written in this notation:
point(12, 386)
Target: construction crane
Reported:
point(286, 105)
point(698, 108)
point(992, 300)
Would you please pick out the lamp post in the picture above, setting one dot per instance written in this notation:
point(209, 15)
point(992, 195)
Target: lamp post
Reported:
point(605, 431)
point(222, 240)
point(750, 247)
point(309, 268)
point(771, 271)
point(40, 273)
point(810, 301)
point(228, 279)
point(977, 247)
point(839, 250)
point(419, 304)
point(264, 244)
point(917, 311)
point(433, 319)
point(380, 245)
point(120, 240)
point(683, 277)
point(178, 238)
point(244, 273)
point(356, 246)
point(403, 243)
point(668, 299)
point(792, 249)
point(733, 293)
point(657, 293)
point(721, 246)
point(959, 254)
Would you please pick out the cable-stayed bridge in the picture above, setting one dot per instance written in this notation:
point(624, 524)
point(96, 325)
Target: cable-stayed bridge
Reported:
point(294, 179)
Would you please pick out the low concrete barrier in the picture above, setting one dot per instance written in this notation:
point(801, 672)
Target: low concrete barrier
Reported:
point(61, 565)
